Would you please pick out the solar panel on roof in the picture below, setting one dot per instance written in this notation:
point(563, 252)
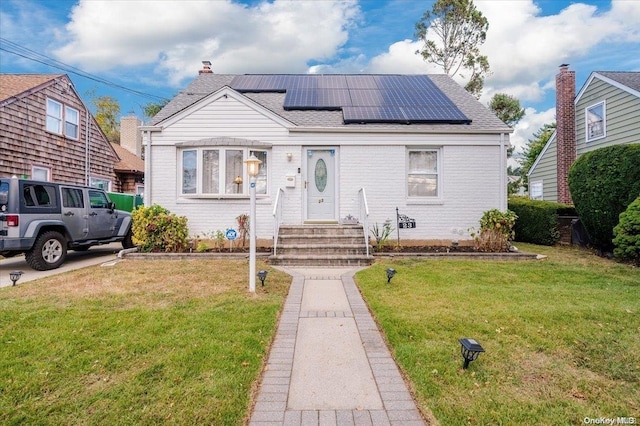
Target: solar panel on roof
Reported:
point(316, 99)
point(372, 115)
point(362, 98)
point(361, 82)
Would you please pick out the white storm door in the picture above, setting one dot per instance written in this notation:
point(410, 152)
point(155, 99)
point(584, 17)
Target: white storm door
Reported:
point(321, 184)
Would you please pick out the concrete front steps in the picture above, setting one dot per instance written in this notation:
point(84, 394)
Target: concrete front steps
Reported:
point(321, 245)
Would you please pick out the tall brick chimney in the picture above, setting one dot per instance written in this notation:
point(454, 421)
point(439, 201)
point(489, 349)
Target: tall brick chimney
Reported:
point(565, 129)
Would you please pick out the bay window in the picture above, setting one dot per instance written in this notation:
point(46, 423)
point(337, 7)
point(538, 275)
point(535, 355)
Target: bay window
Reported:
point(208, 171)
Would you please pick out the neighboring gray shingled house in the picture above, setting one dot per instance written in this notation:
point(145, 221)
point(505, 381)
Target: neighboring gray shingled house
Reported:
point(421, 144)
point(606, 111)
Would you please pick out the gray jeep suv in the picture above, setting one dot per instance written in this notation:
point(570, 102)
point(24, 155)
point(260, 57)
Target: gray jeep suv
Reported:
point(45, 219)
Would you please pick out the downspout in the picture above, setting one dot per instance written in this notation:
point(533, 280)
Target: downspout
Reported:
point(503, 174)
point(87, 149)
point(147, 169)
point(147, 132)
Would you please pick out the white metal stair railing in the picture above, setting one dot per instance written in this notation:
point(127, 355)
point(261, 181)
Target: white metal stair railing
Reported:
point(364, 216)
point(277, 217)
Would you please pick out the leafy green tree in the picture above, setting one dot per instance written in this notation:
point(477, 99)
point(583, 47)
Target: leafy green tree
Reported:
point(459, 29)
point(107, 114)
point(534, 148)
point(507, 108)
point(152, 108)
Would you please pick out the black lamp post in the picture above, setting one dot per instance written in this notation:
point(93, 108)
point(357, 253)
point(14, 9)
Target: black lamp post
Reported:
point(470, 350)
point(14, 276)
point(390, 273)
point(262, 274)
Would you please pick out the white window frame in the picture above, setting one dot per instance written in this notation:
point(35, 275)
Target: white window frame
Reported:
point(587, 126)
point(71, 126)
point(40, 169)
point(222, 155)
point(63, 124)
point(95, 181)
point(438, 197)
point(54, 121)
point(534, 191)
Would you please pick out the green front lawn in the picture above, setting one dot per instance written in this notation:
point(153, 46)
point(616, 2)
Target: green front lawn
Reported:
point(562, 336)
point(179, 342)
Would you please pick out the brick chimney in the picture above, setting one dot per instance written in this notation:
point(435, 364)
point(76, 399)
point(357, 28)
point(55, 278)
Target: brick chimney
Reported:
point(565, 129)
point(206, 68)
point(130, 136)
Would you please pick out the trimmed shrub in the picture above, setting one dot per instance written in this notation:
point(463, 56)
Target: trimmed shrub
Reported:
point(155, 229)
point(496, 231)
point(603, 183)
point(627, 235)
point(538, 220)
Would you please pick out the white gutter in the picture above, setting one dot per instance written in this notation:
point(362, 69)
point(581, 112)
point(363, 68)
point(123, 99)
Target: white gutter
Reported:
point(407, 129)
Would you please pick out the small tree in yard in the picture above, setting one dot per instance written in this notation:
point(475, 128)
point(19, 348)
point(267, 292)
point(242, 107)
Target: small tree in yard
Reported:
point(627, 235)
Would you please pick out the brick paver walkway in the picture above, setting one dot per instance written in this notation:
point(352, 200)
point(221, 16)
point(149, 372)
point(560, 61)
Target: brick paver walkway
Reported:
point(275, 397)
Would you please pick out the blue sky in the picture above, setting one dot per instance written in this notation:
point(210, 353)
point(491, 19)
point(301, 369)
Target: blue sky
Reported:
point(156, 47)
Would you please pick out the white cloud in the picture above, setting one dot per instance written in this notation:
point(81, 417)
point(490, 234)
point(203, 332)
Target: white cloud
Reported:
point(531, 122)
point(281, 36)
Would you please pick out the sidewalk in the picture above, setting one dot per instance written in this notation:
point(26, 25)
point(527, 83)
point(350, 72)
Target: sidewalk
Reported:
point(329, 364)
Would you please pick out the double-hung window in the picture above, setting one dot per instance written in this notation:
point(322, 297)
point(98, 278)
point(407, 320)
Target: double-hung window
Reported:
point(423, 174)
point(220, 171)
point(595, 121)
point(54, 116)
point(62, 119)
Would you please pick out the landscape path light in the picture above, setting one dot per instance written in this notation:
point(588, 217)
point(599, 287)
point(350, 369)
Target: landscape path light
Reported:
point(470, 350)
point(262, 274)
point(14, 276)
point(390, 273)
point(253, 167)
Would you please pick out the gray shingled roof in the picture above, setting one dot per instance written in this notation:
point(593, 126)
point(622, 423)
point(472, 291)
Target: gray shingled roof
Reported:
point(482, 120)
point(629, 79)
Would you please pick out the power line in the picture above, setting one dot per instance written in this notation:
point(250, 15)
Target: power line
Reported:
point(24, 52)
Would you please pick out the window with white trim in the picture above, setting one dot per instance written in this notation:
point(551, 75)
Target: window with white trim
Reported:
point(423, 173)
point(536, 190)
point(40, 173)
point(71, 122)
point(595, 121)
point(220, 171)
point(62, 119)
point(101, 183)
point(54, 116)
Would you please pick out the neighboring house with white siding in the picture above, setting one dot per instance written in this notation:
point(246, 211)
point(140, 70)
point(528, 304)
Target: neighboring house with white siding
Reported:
point(421, 144)
point(606, 111)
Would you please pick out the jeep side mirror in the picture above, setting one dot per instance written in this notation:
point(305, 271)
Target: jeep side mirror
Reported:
point(112, 206)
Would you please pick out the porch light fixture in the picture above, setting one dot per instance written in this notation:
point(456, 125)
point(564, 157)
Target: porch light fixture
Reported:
point(14, 276)
point(262, 274)
point(470, 350)
point(289, 156)
point(253, 167)
point(390, 273)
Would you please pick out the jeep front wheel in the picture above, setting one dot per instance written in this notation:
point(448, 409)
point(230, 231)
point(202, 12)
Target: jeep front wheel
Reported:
point(48, 252)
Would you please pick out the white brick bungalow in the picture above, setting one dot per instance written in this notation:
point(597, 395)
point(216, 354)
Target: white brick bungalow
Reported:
point(444, 173)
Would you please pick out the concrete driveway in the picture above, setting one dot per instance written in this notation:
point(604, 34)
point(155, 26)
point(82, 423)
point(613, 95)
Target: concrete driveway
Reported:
point(75, 260)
